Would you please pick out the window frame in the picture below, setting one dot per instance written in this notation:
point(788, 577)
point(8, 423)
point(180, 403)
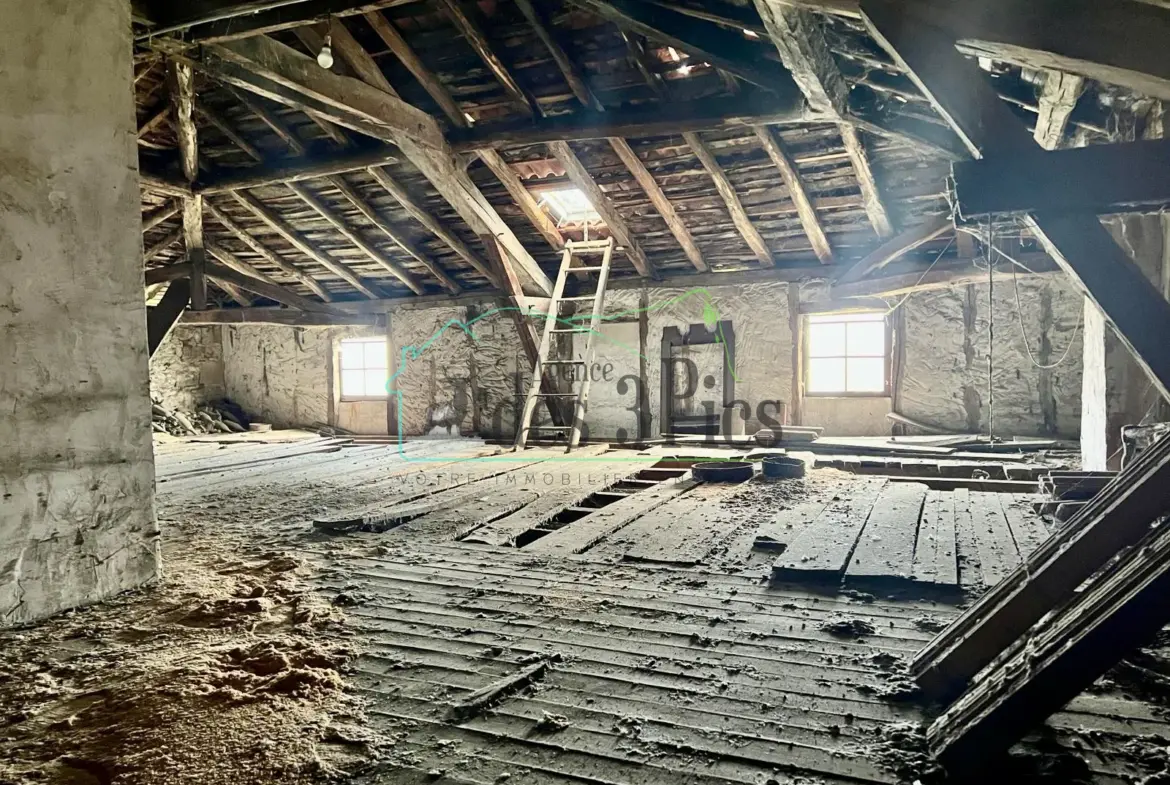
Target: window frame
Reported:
point(341, 369)
point(842, 318)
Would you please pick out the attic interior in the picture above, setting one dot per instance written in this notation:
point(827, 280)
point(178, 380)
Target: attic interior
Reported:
point(584, 391)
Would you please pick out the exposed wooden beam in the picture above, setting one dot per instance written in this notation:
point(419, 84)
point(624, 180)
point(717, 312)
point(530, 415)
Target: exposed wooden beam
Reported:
point(576, 81)
point(717, 45)
point(183, 95)
point(809, 220)
point(163, 243)
point(943, 277)
point(523, 197)
point(1103, 178)
point(294, 238)
point(407, 56)
point(660, 201)
point(1058, 98)
point(283, 18)
point(709, 114)
point(395, 233)
point(1077, 241)
point(870, 195)
point(448, 174)
point(800, 39)
point(162, 317)
point(726, 190)
point(297, 169)
point(359, 242)
point(469, 28)
point(433, 224)
point(239, 265)
point(569, 70)
point(580, 177)
point(280, 294)
point(163, 184)
point(225, 128)
point(155, 120)
point(282, 316)
point(268, 254)
point(164, 213)
point(896, 247)
point(171, 272)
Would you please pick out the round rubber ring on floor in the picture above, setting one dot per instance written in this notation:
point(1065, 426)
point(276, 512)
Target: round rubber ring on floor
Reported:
point(783, 467)
point(722, 471)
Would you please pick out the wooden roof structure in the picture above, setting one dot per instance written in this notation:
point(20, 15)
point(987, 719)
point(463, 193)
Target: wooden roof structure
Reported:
point(719, 141)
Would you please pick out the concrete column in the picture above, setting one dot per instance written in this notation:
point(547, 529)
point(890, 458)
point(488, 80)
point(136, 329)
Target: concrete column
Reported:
point(76, 468)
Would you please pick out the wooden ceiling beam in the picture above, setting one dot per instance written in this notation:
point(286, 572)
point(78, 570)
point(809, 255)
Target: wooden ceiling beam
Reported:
point(523, 197)
point(726, 190)
point(580, 88)
point(298, 241)
point(407, 56)
point(162, 317)
point(1100, 178)
point(470, 29)
point(805, 210)
point(722, 48)
point(226, 275)
point(268, 254)
point(182, 80)
point(895, 248)
point(164, 213)
point(287, 317)
point(1058, 99)
point(170, 272)
point(163, 243)
point(366, 209)
point(359, 242)
point(448, 174)
point(1083, 248)
point(709, 114)
point(580, 177)
point(274, 20)
point(800, 39)
point(295, 170)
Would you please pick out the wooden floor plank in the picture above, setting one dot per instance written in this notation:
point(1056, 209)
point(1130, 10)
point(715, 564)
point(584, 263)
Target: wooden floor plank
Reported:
point(684, 531)
point(885, 549)
point(935, 560)
point(560, 484)
point(780, 530)
point(1027, 527)
point(822, 550)
point(993, 538)
point(581, 534)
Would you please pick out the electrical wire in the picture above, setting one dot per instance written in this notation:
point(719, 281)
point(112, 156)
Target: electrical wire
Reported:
point(921, 277)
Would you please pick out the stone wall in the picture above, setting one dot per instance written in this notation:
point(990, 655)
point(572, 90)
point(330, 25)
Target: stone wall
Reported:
point(187, 368)
point(461, 370)
point(76, 467)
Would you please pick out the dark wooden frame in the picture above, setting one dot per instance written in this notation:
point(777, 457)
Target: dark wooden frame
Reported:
point(696, 335)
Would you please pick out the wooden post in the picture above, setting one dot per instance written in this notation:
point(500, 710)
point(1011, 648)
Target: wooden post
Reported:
point(183, 96)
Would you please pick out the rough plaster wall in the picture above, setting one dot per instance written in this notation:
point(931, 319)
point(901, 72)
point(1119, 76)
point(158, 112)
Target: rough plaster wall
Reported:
point(613, 396)
point(763, 338)
point(76, 468)
point(187, 369)
point(279, 374)
point(945, 376)
point(462, 370)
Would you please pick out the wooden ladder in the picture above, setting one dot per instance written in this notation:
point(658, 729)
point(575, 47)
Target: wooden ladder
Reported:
point(555, 325)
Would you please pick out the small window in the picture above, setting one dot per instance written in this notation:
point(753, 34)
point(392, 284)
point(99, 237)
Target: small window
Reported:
point(363, 368)
point(847, 354)
point(570, 206)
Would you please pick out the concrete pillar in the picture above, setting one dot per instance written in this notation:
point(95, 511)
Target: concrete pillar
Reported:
point(76, 468)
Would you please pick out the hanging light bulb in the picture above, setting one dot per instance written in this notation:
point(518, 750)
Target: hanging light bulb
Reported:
point(325, 56)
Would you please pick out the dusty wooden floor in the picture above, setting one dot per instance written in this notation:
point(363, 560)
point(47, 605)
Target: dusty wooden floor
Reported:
point(658, 647)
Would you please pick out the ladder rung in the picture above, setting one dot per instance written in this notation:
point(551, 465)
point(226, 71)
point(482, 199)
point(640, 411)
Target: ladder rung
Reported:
point(556, 395)
point(575, 330)
point(588, 245)
point(582, 297)
point(564, 362)
point(586, 269)
point(549, 428)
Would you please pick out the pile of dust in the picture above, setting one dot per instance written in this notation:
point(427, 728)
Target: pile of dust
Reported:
point(843, 627)
point(230, 672)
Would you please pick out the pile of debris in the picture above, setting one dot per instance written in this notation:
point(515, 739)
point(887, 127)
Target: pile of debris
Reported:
point(217, 417)
point(1069, 491)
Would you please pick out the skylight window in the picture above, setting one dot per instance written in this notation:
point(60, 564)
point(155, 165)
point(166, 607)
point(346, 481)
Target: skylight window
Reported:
point(570, 205)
